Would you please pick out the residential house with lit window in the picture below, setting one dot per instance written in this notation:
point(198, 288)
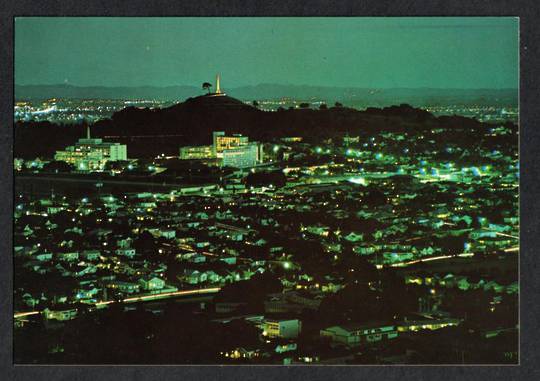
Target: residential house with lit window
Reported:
point(357, 334)
point(151, 284)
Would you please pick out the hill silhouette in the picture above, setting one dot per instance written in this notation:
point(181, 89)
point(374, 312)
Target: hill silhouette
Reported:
point(149, 132)
point(349, 95)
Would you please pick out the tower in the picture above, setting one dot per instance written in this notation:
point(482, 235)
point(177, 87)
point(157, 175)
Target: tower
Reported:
point(218, 91)
point(215, 136)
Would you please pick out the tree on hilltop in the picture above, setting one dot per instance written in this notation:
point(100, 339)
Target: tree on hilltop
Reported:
point(207, 86)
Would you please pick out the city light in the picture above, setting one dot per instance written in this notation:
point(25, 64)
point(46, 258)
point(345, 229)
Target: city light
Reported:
point(318, 221)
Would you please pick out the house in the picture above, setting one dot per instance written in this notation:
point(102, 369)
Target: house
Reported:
point(320, 230)
point(414, 325)
point(91, 255)
point(331, 287)
point(54, 209)
point(283, 328)
point(492, 285)
point(128, 252)
point(44, 257)
point(61, 269)
point(127, 287)
point(65, 243)
point(61, 315)
point(268, 222)
point(235, 236)
point(33, 264)
point(192, 257)
point(212, 276)
point(27, 231)
point(29, 300)
point(201, 216)
point(353, 237)
point(197, 258)
point(87, 294)
point(228, 260)
point(286, 347)
point(74, 230)
point(193, 276)
point(151, 284)
point(364, 250)
point(358, 334)
point(68, 257)
point(85, 269)
point(449, 281)
point(124, 243)
point(50, 226)
point(463, 284)
point(397, 257)
point(241, 353)
point(331, 247)
point(512, 288)
point(306, 300)
point(169, 234)
point(226, 276)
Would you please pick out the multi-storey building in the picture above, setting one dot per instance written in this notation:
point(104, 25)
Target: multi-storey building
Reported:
point(196, 152)
point(92, 153)
point(222, 142)
point(241, 157)
point(284, 328)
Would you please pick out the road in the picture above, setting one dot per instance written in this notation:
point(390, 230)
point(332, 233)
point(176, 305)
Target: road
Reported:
point(142, 298)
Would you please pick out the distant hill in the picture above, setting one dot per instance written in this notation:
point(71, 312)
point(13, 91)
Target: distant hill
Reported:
point(380, 97)
point(351, 96)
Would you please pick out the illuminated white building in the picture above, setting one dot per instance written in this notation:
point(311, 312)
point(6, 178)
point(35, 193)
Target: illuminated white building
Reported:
point(284, 328)
point(195, 152)
point(222, 142)
point(92, 153)
point(241, 157)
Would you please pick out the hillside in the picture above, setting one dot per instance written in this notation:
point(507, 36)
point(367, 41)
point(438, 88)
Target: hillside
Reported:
point(149, 132)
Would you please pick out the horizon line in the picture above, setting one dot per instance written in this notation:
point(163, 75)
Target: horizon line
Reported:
point(275, 84)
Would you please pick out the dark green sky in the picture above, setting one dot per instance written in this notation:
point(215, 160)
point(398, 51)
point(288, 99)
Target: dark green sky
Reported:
point(361, 52)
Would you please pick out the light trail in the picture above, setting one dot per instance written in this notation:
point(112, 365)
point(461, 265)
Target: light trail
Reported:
point(174, 293)
point(437, 258)
point(23, 314)
point(403, 264)
point(506, 235)
point(198, 291)
point(501, 234)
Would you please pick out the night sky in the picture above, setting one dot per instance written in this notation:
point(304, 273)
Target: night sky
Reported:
point(357, 52)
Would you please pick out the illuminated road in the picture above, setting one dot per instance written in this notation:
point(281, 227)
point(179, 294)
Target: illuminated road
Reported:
point(23, 314)
point(506, 235)
point(441, 257)
point(142, 298)
point(164, 295)
point(429, 259)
